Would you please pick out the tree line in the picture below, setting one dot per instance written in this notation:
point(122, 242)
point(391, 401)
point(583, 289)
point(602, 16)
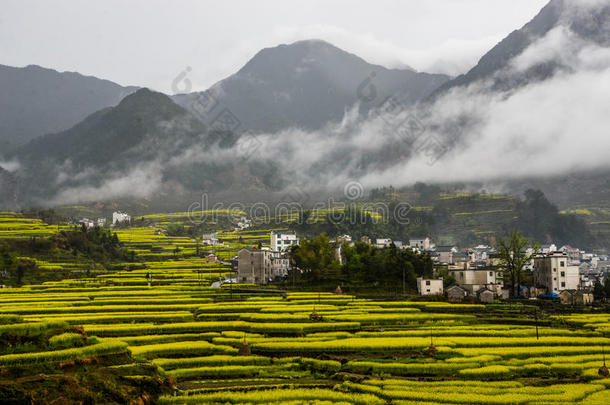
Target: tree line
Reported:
point(320, 261)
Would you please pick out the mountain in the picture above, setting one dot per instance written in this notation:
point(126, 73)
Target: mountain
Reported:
point(305, 84)
point(35, 101)
point(589, 20)
point(145, 120)
point(119, 149)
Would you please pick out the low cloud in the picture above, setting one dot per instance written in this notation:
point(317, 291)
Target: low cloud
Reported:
point(548, 127)
point(10, 165)
point(139, 183)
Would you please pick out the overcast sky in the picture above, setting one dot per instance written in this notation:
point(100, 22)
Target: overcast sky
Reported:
point(149, 42)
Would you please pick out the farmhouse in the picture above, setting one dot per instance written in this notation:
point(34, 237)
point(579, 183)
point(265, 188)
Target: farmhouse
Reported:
point(445, 254)
point(456, 293)
point(420, 243)
point(383, 243)
point(486, 296)
point(474, 280)
point(87, 223)
point(426, 286)
point(261, 266)
point(210, 239)
point(575, 297)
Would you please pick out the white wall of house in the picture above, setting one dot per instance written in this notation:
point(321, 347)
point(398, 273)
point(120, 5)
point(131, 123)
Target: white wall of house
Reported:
point(283, 240)
point(427, 286)
point(473, 280)
point(118, 217)
point(554, 272)
point(384, 242)
point(420, 243)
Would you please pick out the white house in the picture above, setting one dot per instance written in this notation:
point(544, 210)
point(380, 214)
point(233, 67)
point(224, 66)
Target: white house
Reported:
point(244, 223)
point(345, 239)
point(101, 222)
point(427, 286)
point(420, 243)
point(474, 280)
point(281, 241)
point(87, 223)
point(383, 242)
point(120, 217)
point(445, 254)
point(554, 272)
point(548, 248)
point(210, 239)
point(482, 252)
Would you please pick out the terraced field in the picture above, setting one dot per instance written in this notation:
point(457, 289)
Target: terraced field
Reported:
point(262, 346)
point(191, 343)
point(15, 226)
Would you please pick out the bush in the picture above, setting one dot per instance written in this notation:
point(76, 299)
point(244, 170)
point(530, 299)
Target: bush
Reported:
point(66, 340)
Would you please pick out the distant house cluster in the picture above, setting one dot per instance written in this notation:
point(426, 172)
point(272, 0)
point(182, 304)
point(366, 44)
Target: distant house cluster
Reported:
point(210, 239)
point(118, 217)
point(564, 273)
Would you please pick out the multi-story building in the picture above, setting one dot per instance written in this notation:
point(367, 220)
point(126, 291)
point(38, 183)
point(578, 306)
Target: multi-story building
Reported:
point(283, 240)
point(261, 266)
point(554, 272)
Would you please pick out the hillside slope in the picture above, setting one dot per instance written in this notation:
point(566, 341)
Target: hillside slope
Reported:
point(35, 101)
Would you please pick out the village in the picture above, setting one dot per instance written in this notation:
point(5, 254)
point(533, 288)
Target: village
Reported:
point(562, 273)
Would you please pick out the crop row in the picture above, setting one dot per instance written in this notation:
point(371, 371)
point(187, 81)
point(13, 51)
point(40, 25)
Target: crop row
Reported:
point(299, 396)
point(99, 349)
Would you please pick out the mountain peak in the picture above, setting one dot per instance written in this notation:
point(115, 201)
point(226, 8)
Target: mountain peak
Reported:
point(36, 100)
point(589, 19)
point(306, 84)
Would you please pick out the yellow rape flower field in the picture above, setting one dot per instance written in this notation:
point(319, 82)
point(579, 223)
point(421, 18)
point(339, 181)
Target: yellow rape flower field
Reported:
point(244, 345)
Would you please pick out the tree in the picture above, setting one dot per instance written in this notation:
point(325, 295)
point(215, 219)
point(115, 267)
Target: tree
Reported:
point(317, 259)
point(599, 292)
point(24, 266)
point(513, 258)
point(541, 220)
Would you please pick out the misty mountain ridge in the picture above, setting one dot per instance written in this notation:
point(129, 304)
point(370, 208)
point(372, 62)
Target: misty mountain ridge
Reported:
point(305, 85)
point(588, 20)
point(307, 115)
point(144, 145)
point(35, 101)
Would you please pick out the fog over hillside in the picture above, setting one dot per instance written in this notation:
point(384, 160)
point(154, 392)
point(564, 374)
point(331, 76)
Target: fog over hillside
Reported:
point(535, 106)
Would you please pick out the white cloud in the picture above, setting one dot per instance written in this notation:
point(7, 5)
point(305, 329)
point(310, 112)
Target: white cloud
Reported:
point(10, 165)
